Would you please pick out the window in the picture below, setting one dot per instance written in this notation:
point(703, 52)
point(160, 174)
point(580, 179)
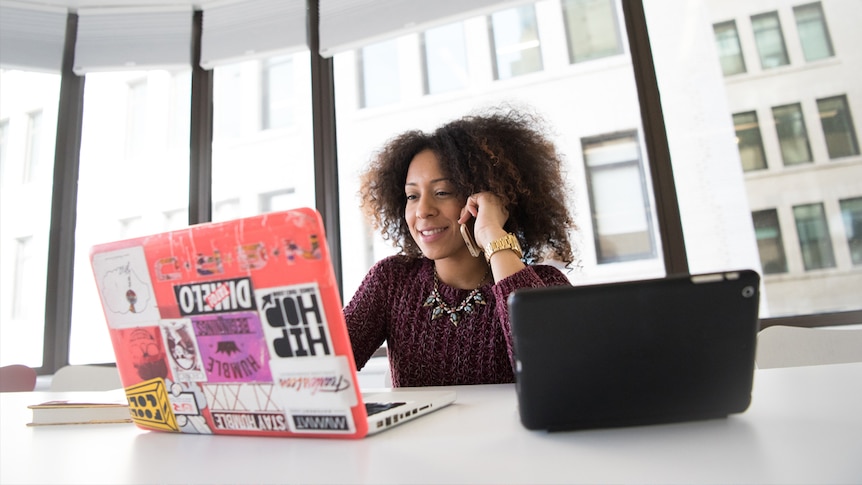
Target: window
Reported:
point(4, 144)
point(814, 239)
point(851, 214)
point(769, 242)
point(445, 58)
point(748, 141)
point(813, 33)
point(33, 156)
point(729, 50)
point(266, 142)
point(277, 201)
point(28, 119)
point(176, 219)
point(277, 90)
point(792, 135)
point(22, 307)
point(515, 42)
point(769, 40)
point(838, 127)
point(137, 132)
point(229, 92)
point(226, 210)
point(380, 82)
point(125, 112)
point(619, 202)
point(591, 29)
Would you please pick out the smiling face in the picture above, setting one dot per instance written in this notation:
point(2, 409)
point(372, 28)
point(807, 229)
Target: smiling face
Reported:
point(433, 208)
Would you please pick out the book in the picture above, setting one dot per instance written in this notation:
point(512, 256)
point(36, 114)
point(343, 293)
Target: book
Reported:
point(83, 408)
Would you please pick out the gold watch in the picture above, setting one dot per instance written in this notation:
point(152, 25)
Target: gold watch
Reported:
point(509, 241)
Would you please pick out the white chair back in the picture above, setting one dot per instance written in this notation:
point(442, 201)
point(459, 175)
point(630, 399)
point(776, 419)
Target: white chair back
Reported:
point(784, 346)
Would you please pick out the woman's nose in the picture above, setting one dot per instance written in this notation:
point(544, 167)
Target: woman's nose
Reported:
point(425, 208)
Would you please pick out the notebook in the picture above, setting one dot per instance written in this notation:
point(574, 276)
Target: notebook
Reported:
point(236, 328)
point(635, 353)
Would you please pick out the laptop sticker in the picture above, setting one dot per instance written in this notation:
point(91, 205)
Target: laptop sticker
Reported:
point(231, 346)
point(124, 285)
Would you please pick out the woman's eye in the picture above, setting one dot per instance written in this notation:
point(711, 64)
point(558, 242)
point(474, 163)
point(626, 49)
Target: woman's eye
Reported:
point(411, 197)
point(442, 193)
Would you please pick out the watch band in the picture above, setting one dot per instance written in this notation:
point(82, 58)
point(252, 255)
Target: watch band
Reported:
point(509, 241)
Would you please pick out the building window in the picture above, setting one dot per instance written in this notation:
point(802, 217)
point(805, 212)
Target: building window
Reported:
point(23, 305)
point(838, 127)
point(729, 50)
point(591, 29)
point(769, 40)
point(749, 142)
point(226, 210)
point(813, 33)
point(228, 113)
point(380, 83)
point(131, 227)
point(515, 42)
point(851, 213)
point(176, 219)
point(619, 201)
point(32, 158)
point(792, 135)
point(445, 59)
point(814, 239)
point(277, 91)
point(277, 201)
point(136, 129)
point(769, 241)
point(4, 144)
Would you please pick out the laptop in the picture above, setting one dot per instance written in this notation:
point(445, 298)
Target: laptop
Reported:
point(674, 349)
point(236, 328)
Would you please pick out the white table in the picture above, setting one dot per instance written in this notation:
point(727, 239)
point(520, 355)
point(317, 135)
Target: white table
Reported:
point(804, 426)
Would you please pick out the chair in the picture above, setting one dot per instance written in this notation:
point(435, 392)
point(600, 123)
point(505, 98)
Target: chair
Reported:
point(86, 378)
point(785, 346)
point(17, 378)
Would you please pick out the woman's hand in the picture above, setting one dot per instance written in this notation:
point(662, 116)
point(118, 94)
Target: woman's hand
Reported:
point(490, 215)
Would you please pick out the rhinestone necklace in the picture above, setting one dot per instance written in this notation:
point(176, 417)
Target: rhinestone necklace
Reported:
point(440, 307)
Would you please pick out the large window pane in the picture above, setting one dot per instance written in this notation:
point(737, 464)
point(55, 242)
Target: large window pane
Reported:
point(445, 59)
point(770, 244)
point(699, 113)
point(729, 50)
point(515, 36)
point(814, 239)
point(792, 135)
point(379, 74)
point(770, 40)
point(748, 141)
point(266, 104)
point(278, 92)
point(851, 214)
point(28, 120)
point(592, 29)
point(133, 172)
point(813, 33)
point(838, 127)
point(618, 199)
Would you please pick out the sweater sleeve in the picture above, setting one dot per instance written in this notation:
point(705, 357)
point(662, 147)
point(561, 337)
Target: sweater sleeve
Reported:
point(536, 276)
point(368, 313)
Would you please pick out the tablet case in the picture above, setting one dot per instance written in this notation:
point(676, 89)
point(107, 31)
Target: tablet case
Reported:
point(674, 349)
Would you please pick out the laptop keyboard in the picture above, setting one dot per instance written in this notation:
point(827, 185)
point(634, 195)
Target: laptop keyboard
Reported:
point(378, 407)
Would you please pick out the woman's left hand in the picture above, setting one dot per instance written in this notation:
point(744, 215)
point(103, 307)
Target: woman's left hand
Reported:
point(490, 215)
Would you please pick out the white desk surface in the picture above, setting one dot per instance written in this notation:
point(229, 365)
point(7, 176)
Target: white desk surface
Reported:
point(804, 426)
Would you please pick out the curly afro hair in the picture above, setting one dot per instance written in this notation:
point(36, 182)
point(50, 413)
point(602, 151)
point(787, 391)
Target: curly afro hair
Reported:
point(504, 151)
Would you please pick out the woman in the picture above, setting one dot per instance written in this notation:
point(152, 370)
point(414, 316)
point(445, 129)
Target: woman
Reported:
point(442, 310)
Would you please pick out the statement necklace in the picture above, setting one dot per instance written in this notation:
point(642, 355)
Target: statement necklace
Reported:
point(440, 307)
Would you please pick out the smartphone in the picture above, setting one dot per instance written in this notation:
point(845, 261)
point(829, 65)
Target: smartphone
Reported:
point(467, 234)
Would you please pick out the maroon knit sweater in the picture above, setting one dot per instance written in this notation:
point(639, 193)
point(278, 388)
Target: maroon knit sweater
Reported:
point(388, 307)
